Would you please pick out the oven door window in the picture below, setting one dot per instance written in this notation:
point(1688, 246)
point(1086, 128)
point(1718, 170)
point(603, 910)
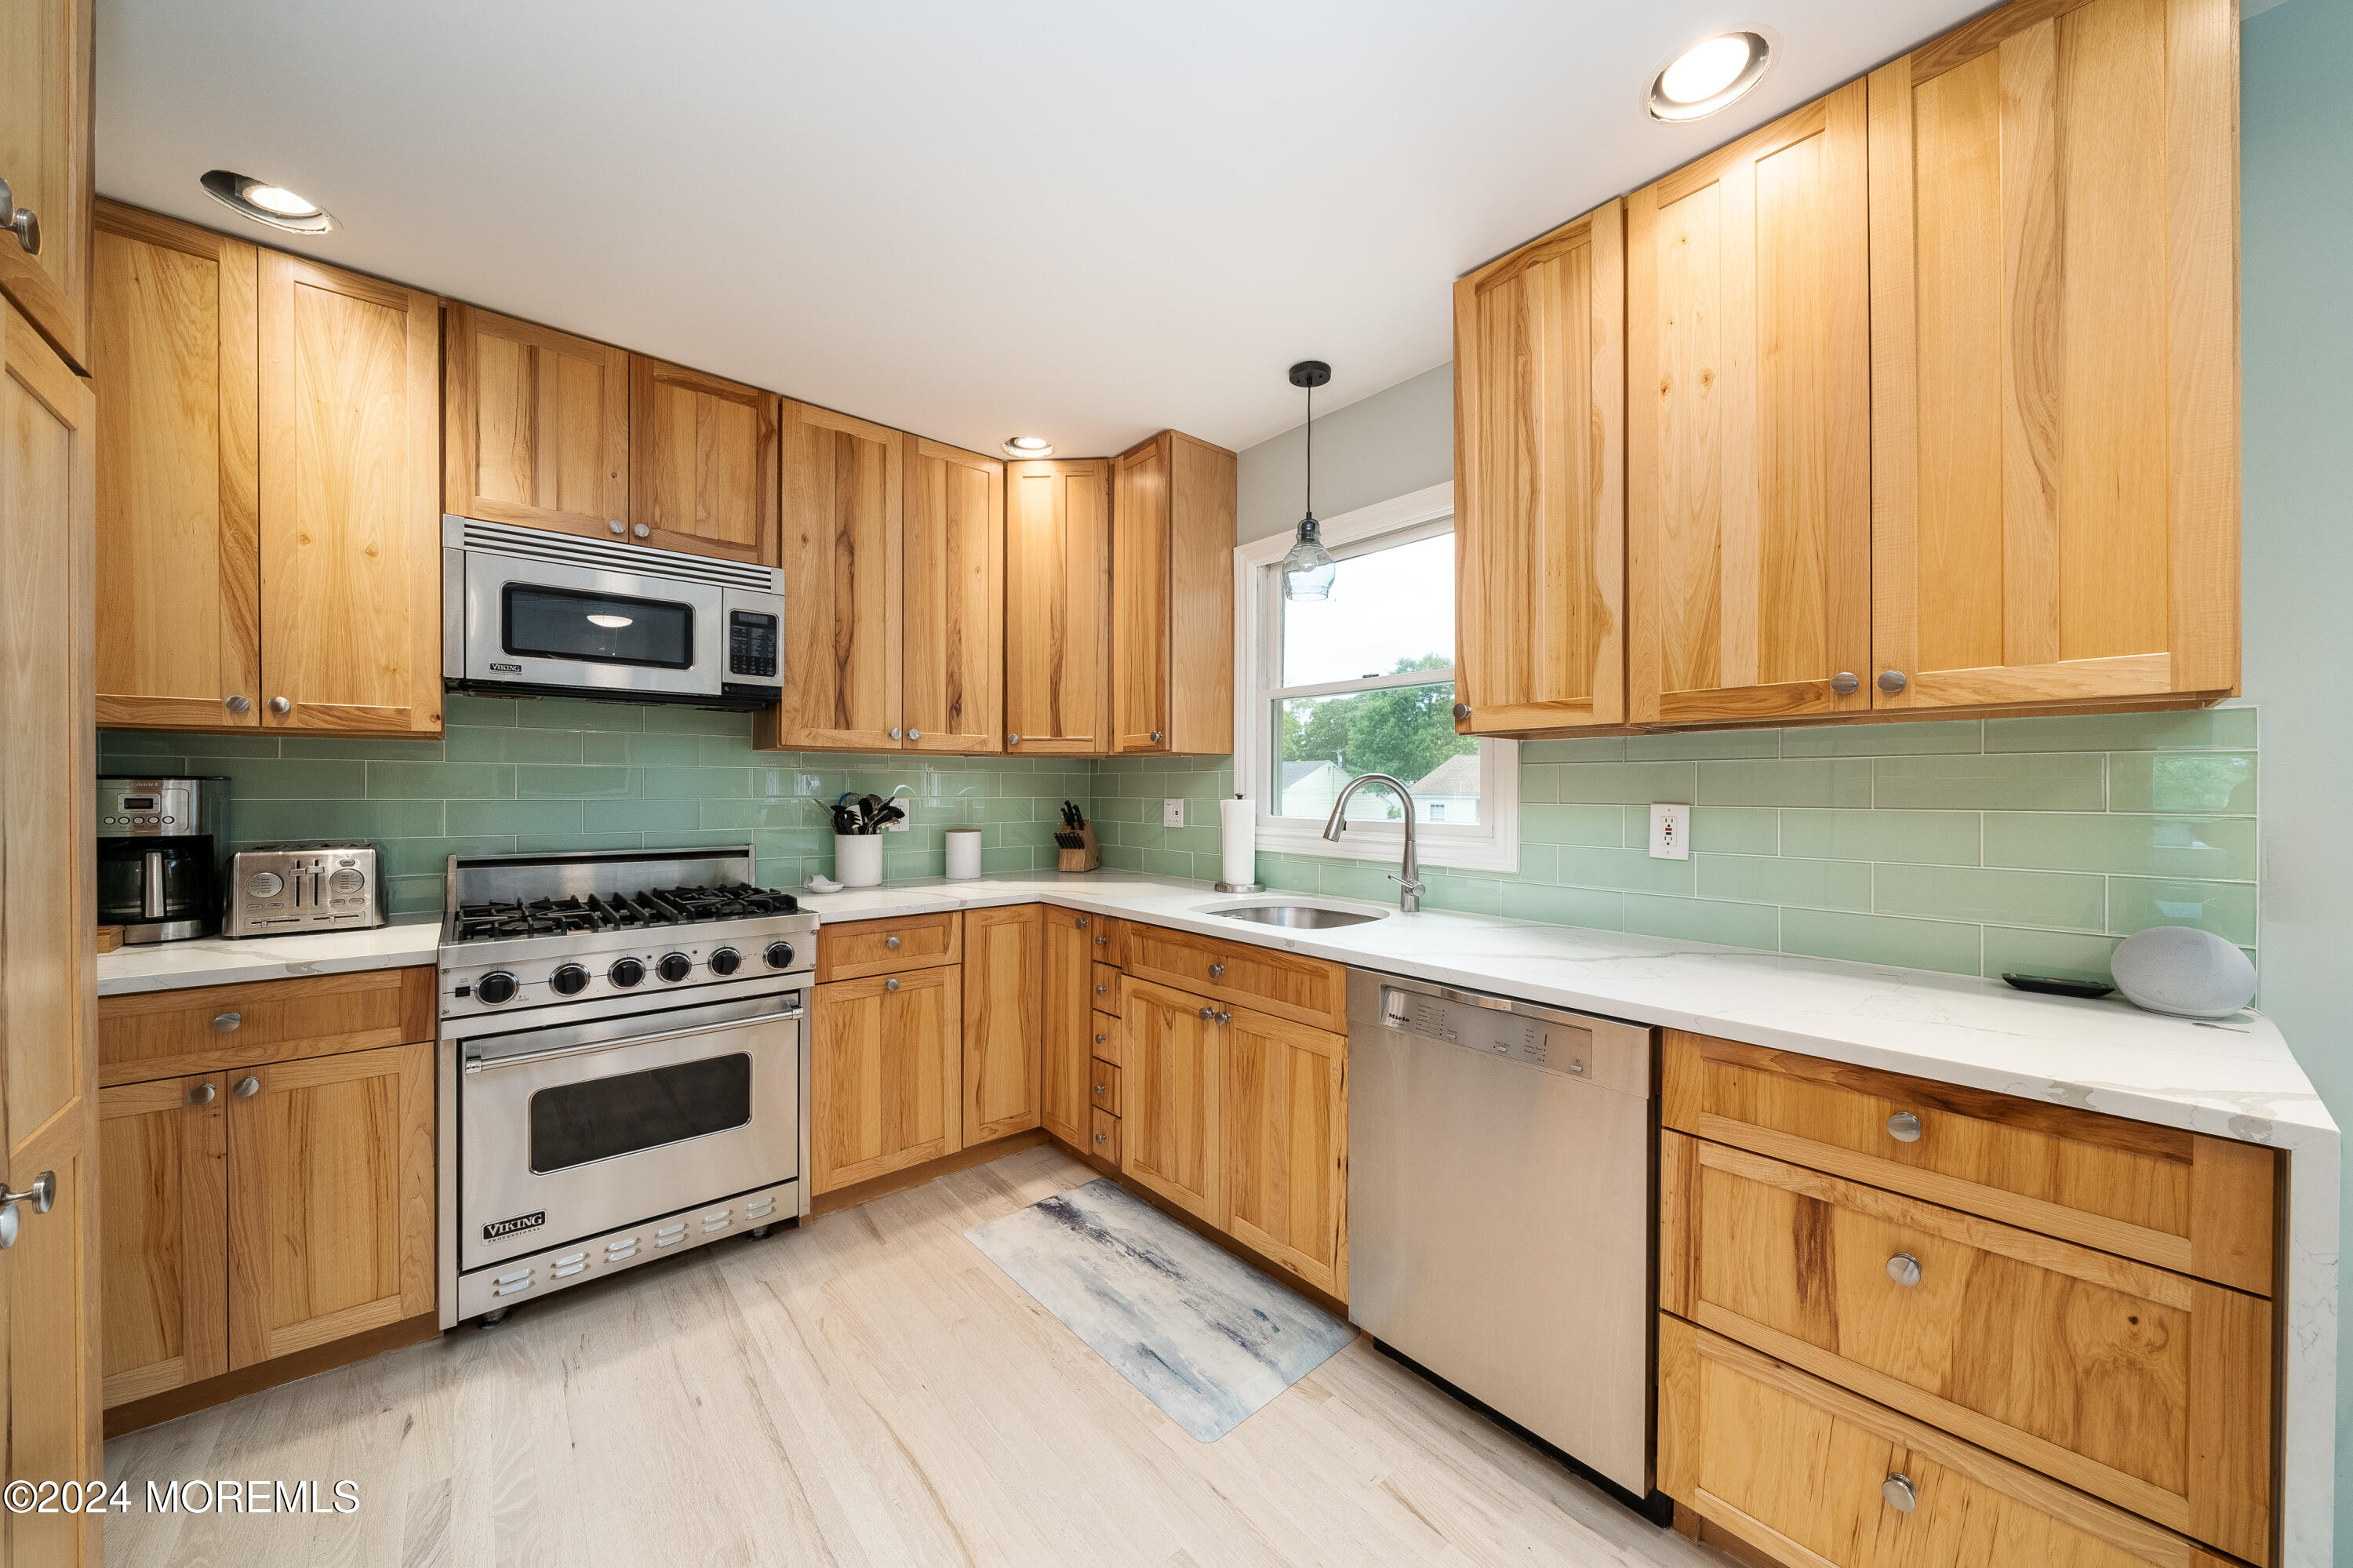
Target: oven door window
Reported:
point(598, 628)
point(602, 1118)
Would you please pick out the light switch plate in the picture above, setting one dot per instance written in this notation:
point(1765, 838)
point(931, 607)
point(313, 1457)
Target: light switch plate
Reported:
point(1670, 833)
point(1172, 812)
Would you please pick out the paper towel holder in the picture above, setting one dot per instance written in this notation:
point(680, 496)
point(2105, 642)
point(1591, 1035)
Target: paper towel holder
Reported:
point(1242, 887)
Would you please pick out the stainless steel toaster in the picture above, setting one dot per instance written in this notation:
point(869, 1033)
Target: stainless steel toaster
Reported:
point(276, 890)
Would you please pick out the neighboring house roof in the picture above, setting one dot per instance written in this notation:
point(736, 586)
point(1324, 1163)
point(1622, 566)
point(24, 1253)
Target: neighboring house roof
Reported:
point(1292, 772)
point(1458, 775)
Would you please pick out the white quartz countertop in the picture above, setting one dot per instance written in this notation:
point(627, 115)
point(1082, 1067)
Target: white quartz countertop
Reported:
point(221, 960)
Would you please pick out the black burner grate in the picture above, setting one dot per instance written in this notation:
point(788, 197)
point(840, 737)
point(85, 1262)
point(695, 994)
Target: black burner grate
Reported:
point(621, 912)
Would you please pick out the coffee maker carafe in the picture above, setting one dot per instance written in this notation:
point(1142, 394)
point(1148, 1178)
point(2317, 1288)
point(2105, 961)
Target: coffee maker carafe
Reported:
point(159, 852)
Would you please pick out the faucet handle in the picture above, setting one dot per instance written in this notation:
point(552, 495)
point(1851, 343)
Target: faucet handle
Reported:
point(1410, 885)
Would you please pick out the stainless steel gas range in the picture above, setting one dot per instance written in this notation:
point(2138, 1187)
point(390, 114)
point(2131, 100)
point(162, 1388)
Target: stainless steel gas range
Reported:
point(623, 1065)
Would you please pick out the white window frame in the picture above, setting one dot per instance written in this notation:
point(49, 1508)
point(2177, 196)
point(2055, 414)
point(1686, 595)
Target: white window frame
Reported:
point(1492, 844)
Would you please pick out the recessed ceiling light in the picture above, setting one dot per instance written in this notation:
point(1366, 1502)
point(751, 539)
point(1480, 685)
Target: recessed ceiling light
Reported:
point(1029, 447)
point(1709, 75)
point(265, 203)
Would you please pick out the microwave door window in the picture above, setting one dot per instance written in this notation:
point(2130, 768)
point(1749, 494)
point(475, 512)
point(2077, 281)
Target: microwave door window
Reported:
point(598, 628)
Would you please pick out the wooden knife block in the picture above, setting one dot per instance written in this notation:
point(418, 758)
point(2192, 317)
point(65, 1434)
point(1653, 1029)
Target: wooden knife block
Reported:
point(1087, 857)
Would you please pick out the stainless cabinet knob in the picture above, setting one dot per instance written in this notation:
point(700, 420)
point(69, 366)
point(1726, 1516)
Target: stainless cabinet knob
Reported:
point(225, 1022)
point(1103, 1138)
point(247, 1088)
point(1898, 1491)
point(1012, 740)
point(1082, 922)
point(618, 527)
point(41, 1194)
point(1100, 1036)
point(1156, 735)
point(1217, 970)
point(1221, 1019)
point(1903, 1127)
point(1462, 709)
point(892, 943)
point(894, 735)
point(1206, 1014)
point(643, 530)
point(1844, 682)
point(202, 1095)
point(1904, 1269)
point(914, 735)
point(1101, 989)
point(1099, 1088)
point(891, 984)
point(1891, 680)
point(237, 704)
point(281, 705)
point(22, 219)
point(1102, 942)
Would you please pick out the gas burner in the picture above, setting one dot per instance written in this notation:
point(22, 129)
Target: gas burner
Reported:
point(619, 912)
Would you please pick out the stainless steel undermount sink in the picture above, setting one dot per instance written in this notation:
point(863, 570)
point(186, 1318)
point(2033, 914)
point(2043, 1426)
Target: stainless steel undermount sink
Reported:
point(1309, 916)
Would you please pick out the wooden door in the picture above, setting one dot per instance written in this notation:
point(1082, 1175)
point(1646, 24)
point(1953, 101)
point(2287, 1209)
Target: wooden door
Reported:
point(175, 338)
point(331, 1199)
point(535, 424)
point(1540, 482)
point(1067, 1021)
point(1058, 608)
point(163, 1233)
point(1747, 426)
point(885, 1075)
point(1285, 1117)
point(1139, 598)
point(1172, 1079)
point(45, 141)
point(49, 1348)
point(2055, 357)
point(350, 525)
point(702, 463)
point(953, 618)
point(1004, 1028)
point(842, 493)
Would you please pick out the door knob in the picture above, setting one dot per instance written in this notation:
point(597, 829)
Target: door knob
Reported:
point(202, 1095)
point(281, 705)
point(1904, 1268)
point(42, 1194)
point(247, 1088)
point(27, 225)
point(1903, 1127)
point(1844, 682)
point(225, 1022)
point(1891, 680)
point(237, 704)
point(1462, 709)
point(1898, 1491)
point(891, 984)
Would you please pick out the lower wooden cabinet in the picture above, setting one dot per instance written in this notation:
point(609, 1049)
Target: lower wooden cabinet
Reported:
point(1173, 1071)
point(1004, 969)
point(1067, 1022)
point(163, 1233)
point(885, 1075)
point(1284, 1112)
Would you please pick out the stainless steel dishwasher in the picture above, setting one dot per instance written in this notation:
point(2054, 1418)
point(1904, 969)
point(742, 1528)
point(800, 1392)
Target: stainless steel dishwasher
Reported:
point(1500, 1224)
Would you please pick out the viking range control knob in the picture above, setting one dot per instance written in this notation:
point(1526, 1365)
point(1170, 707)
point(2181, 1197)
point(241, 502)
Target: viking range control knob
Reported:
point(626, 972)
point(780, 954)
point(494, 988)
point(569, 979)
point(674, 968)
point(726, 961)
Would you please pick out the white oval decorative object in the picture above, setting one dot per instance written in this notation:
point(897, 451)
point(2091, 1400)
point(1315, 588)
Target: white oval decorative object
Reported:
point(2184, 971)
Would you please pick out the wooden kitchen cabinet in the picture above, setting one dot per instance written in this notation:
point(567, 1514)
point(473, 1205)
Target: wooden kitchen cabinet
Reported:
point(44, 158)
point(1173, 504)
point(842, 487)
point(1058, 608)
point(1170, 1128)
point(2054, 358)
point(885, 1075)
point(535, 426)
point(1313, 991)
point(1066, 1021)
point(951, 614)
point(702, 463)
point(164, 1233)
point(1004, 983)
point(1284, 1116)
point(1748, 427)
point(1540, 482)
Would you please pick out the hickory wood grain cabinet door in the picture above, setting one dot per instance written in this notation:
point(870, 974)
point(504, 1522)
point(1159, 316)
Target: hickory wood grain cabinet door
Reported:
point(351, 525)
point(163, 1233)
point(1067, 1022)
point(1003, 1033)
point(702, 463)
point(1139, 599)
point(2054, 355)
point(331, 1199)
point(535, 425)
point(885, 1075)
point(1173, 1081)
point(1748, 427)
point(1540, 485)
point(842, 493)
point(1173, 501)
point(1058, 608)
point(952, 618)
point(175, 340)
point(44, 157)
point(1284, 1112)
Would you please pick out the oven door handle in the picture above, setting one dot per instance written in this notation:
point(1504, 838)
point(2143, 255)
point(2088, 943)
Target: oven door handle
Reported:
point(480, 1064)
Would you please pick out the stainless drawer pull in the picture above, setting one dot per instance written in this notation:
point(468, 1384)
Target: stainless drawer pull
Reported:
point(1221, 1017)
point(1099, 1088)
point(1103, 1138)
point(1100, 1036)
point(1903, 1127)
point(1101, 989)
point(225, 1022)
point(891, 984)
point(202, 1095)
point(1898, 1491)
point(892, 943)
point(1206, 1014)
point(1217, 970)
point(1904, 1268)
point(1082, 922)
point(247, 1088)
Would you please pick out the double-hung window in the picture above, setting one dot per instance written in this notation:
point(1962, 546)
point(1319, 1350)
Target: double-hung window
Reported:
point(1362, 681)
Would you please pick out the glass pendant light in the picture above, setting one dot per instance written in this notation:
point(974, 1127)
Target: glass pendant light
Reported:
point(1308, 569)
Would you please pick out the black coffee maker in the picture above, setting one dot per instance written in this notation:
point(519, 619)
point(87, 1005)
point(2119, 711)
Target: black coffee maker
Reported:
point(159, 856)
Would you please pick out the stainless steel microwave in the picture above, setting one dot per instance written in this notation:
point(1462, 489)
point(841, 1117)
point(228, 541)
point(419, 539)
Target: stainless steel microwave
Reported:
point(527, 612)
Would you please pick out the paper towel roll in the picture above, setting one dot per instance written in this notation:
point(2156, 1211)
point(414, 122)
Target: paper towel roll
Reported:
point(1238, 820)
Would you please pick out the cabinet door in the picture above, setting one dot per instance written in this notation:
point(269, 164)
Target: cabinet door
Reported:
point(536, 424)
point(1068, 1022)
point(1540, 505)
point(2055, 357)
point(1058, 608)
point(175, 339)
point(162, 1230)
point(45, 136)
point(1139, 598)
point(1748, 427)
point(953, 619)
point(842, 480)
point(884, 1075)
point(1200, 677)
point(351, 525)
point(331, 1199)
point(702, 463)
point(1172, 1077)
point(1285, 1116)
point(1003, 1033)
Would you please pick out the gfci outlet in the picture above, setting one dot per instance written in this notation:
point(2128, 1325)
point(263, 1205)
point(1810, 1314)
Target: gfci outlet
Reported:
point(1670, 833)
point(1172, 812)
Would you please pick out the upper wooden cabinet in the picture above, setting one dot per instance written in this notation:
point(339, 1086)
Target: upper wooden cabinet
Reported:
point(1058, 609)
point(1748, 427)
point(1173, 500)
point(1539, 467)
point(535, 425)
point(702, 463)
point(952, 611)
point(45, 137)
point(2054, 356)
point(842, 491)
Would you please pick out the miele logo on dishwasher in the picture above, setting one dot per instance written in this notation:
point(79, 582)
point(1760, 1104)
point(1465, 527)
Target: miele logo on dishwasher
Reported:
point(498, 1228)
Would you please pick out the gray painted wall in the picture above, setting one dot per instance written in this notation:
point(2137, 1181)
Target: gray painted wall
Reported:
point(1385, 445)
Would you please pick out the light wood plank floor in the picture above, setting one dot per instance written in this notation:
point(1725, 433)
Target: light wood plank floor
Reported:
point(868, 1390)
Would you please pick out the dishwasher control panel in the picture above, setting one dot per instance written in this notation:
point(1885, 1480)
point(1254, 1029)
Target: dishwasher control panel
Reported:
point(1532, 1041)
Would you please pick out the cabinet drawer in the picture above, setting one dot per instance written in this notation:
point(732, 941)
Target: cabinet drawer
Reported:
point(862, 948)
point(1105, 1089)
point(1106, 989)
point(1103, 1039)
point(2149, 1389)
point(1102, 1141)
point(211, 1029)
point(2179, 1200)
point(1803, 1471)
point(1104, 938)
point(1305, 990)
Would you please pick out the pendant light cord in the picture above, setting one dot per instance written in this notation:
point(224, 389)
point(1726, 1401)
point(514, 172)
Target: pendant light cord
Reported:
point(1310, 452)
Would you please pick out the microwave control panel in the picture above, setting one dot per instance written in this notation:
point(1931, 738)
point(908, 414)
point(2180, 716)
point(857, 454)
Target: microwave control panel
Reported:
point(751, 645)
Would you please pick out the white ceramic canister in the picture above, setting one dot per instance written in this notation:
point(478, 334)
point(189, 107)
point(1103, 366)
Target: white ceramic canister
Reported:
point(857, 860)
point(964, 853)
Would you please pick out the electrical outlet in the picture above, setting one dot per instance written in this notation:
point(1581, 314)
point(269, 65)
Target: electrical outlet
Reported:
point(1670, 833)
point(897, 827)
point(1172, 812)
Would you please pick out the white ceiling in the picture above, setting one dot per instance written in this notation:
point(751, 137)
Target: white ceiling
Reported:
point(1086, 221)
